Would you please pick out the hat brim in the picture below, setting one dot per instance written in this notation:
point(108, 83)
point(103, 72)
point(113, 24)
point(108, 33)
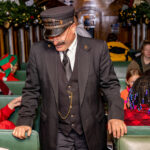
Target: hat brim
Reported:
point(54, 32)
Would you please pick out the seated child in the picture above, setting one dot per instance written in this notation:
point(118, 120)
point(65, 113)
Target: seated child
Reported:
point(8, 66)
point(131, 76)
point(6, 111)
point(139, 99)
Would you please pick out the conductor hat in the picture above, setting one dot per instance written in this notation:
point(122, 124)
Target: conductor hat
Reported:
point(56, 20)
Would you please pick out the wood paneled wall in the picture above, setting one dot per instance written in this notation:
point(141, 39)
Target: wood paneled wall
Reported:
point(18, 41)
point(106, 12)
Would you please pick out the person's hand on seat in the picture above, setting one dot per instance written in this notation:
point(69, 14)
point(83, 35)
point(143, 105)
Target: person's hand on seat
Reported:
point(20, 132)
point(117, 127)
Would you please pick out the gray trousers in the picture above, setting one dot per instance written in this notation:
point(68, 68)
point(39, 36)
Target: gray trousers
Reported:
point(71, 142)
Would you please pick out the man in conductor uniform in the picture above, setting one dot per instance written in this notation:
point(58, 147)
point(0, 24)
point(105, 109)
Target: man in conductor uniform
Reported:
point(69, 71)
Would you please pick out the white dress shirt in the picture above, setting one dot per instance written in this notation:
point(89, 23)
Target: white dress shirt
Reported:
point(71, 52)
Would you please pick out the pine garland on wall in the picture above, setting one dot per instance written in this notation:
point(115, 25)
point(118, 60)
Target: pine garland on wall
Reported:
point(135, 14)
point(19, 15)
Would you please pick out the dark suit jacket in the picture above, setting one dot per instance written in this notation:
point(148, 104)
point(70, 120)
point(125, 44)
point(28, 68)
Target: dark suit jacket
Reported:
point(95, 73)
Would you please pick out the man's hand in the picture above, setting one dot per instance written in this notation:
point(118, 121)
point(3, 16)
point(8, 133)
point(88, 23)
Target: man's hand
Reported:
point(20, 131)
point(117, 128)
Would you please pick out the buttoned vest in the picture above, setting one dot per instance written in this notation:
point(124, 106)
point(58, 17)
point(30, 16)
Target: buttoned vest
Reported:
point(69, 96)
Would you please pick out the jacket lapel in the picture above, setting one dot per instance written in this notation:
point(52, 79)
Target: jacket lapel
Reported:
point(83, 66)
point(83, 57)
point(52, 67)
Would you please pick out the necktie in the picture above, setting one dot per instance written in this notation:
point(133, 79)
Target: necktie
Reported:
point(67, 66)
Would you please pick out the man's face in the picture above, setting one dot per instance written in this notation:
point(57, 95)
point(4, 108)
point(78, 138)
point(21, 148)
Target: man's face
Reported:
point(63, 41)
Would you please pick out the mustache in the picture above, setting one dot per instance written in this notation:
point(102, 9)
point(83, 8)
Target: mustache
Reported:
point(60, 43)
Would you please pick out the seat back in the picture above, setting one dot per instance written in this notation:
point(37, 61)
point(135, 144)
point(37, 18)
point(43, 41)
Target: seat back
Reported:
point(122, 84)
point(134, 142)
point(15, 86)
point(21, 75)
point(138, 130)
point(137, 138)
point(4, 100)
point(9, 142)
point(23, 66)
point(121, 69)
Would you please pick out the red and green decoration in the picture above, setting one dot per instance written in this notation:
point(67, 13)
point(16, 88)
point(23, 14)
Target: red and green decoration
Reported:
point(12, 14)
point(135, 14)
point(5, 64)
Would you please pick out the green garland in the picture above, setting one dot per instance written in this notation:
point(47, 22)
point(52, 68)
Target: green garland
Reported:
point(135, 14)
point(21, 15)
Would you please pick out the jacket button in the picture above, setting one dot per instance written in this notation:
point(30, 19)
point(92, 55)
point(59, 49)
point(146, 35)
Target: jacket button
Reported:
point(72, 116)
point(72, 125)
point(69, 86)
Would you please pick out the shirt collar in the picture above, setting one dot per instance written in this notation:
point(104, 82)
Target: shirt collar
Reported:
point(74, 43)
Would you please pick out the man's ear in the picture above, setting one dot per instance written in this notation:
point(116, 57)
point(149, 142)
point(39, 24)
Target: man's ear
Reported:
point(73, 27)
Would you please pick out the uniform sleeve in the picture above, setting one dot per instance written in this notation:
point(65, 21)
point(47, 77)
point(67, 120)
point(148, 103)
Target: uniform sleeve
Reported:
point(30, 93)
point(110, 86)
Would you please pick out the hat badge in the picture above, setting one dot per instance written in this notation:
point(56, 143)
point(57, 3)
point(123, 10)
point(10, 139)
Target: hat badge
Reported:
point(85, 47)
point(49, 45)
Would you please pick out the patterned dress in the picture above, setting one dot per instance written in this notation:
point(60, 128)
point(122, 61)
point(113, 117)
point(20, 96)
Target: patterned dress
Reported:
point(136, 117)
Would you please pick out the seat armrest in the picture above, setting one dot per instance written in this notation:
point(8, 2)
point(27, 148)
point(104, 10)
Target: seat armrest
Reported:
point(134, 142)
point(8, 141)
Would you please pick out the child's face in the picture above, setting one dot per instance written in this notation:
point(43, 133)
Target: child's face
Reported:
point(14, 68)
point(131, 80)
